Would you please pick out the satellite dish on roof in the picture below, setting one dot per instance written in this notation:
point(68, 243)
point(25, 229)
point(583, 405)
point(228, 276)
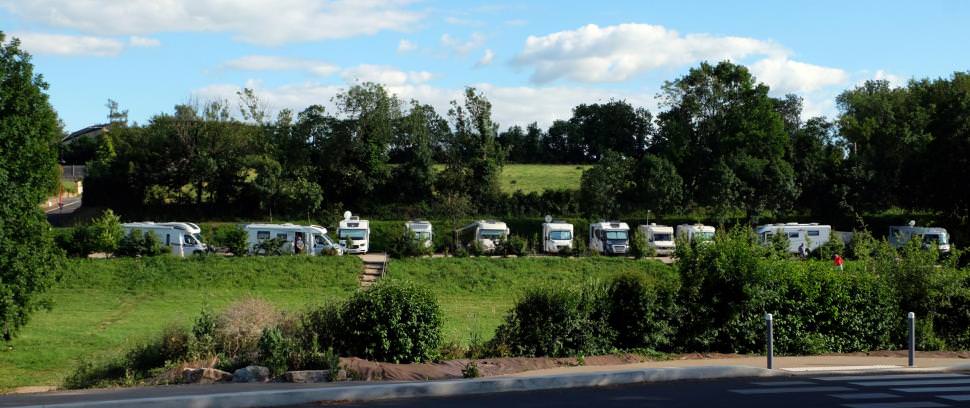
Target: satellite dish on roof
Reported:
point(912, 223)
point(347, 215)
point(548, 218)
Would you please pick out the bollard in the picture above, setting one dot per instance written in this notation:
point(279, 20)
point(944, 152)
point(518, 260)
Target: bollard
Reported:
point(912, 339)
point(770, 339)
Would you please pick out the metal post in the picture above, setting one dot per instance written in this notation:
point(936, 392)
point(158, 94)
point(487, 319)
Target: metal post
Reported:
point(771, 346)
point(912, 339)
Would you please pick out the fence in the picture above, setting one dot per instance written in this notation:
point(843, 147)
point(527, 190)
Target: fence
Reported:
point(73, 172)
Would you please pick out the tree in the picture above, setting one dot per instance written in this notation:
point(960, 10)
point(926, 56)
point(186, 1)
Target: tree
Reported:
point(474, 159)
point(615, 125)
point(657, 185)
point(29, 133)
point(414, 177)
point(603, 188)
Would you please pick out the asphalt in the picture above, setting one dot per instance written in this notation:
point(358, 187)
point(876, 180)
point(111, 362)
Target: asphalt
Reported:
point(848, 391)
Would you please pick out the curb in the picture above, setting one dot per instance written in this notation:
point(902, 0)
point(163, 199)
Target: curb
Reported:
point(444, 388)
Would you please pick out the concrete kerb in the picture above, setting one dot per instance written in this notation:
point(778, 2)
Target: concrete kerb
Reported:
point(444, 388)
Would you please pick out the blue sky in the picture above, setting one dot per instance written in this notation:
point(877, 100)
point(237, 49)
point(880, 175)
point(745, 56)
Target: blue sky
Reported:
point(534, 60)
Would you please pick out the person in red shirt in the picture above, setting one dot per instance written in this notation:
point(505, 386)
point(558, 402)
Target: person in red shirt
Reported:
point(839, 262)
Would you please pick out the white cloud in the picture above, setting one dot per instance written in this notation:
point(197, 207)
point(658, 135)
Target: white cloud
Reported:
point(475, 41)
point(136, 41)
point(386, 75)
point(895, 81)
point(271, 63)
point(615, 53)
point(406, 46)
point(69, 45)
point(486, 59)
point(510, 105)
point(784, 75)
point(267, 22)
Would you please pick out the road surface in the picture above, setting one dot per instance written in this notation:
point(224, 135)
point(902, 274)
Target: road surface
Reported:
point(850, 391)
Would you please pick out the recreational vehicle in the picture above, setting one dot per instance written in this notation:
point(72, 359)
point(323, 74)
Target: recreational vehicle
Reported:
point(353, 234)
point(420, 231)
point(900, 235)
point(696, 232)
point(179, 237)
point(297, 239)
point(802, 238)
point(488, 234)
point(659, 237)
point(609, 237)
point(557, 236)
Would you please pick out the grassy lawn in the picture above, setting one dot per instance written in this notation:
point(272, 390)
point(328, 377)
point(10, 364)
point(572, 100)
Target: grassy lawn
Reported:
point(102, 307)
point(539, 177)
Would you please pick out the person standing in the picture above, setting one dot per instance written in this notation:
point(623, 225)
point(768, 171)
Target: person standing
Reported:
point(839, 262)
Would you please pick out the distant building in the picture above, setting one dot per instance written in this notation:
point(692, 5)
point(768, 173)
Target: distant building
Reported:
point(90, 132)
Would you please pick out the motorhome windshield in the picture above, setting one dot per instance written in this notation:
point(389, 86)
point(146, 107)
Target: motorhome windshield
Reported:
point(190, 240)
point(663, 237)
point(937, 238)
point(704, 236)
point(422, 235)
point(322, 240)
point(560, 235)
point(352, 233)
point(620, 235)
point(491, 234)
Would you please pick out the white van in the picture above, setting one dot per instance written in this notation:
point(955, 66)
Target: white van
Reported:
point(299, 239)
point(353, 234)
point(557, 236)
point(900, 235)
point(179, 237)
point(696, 232)
point(488, 234)
point(800, 236)
point(609, 237)
point(659, 237)
point(421, 231)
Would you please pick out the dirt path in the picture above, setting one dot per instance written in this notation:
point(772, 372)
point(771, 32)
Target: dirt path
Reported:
point(373, 267)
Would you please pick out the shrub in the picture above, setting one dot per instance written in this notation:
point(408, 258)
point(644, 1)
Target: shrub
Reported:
point(321, 327)
point(105, 232)
point(233, 238)
point(407, 245)
point(239, 327)
point(470, 370)
point(639, 248)
point(275, 350)
point(392, 322)
point(513, 245)
point(639, 312)
point(271, 247)
point(140, 243)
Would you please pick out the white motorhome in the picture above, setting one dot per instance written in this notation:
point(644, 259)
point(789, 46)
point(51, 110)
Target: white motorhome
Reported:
point(609, 237)
point(353, 234)
point(800, 236)
point(421, 231)
point(659, 237)
point(900, 235)
point(179, 237)
point(696, 232)
point(190, 227)
point(299, 239)
point(557, 236)
point(487, 233)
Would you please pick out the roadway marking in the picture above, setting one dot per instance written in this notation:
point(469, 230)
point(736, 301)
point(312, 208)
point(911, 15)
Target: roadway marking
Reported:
point(912, 382)
point(955, 397)
point(887, 377)
point(865, 395)
point(788, 390)
point(933, 389)
point(912, 404)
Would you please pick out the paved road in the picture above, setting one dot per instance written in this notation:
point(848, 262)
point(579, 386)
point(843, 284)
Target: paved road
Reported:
point(58, 216)
point(870, 391)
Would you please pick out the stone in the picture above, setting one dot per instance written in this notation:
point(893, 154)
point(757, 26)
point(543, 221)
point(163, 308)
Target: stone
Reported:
point(250, 374)
point(205, 376)
point(307, 376)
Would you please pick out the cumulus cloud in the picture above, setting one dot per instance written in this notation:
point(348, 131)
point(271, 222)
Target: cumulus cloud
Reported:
point(463, 47)
point(895, 81)
point(266, 22)
point(406, 46)
point(136, 41)
point(383, 74)
point(69, 45)
point(784, 75)
point(617, 53)
point(271, 63)
point(486, 59)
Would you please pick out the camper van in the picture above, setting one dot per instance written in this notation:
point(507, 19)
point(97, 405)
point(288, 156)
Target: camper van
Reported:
point(179, 237)
point(900, 235)
point(421, 231)
point(353, 234)
point(609, 237)
point(299, 239)
point(696, 232)
point(557, 236)
point(659, 237)
point(488, 234)
point(800, 236)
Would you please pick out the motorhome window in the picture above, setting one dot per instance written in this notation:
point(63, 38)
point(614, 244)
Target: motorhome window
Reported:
point(704, 236)
point(318, 240)
point(357, 234)
point(262, 234)
point(814, 233)
point(663, 237)
point(617, 235)
point(281, 235)
point(560, 235)
point(188, 239)
point(168, 239)
point(197, 237)
point(934, 238)
point(793, 234)
point(491, 234)
point(422, 235)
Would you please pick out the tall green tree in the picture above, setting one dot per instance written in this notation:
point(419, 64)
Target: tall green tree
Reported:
point(475, 158)
point(29, 133)
point(414, 178)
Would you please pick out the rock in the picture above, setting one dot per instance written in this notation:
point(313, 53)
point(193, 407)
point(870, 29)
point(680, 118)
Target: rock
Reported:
point(251, 373)
point(313, 376)
point(205, 376)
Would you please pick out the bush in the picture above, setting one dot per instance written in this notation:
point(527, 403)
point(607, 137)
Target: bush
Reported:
point(271, 247)
point(321, 327)
point(275, 350)
point(239, 327)
point(513, 245)
point(141, 243)
point(639, 248)
point(640, 313)
point(407, 245)
point(233, 238)
point(392, 322)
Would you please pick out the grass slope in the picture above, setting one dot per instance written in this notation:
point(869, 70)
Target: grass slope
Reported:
point(539, 177)
point(102, 307)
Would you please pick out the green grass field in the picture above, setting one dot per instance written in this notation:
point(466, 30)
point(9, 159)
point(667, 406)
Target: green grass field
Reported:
point(540, 177)
point(104, 307)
